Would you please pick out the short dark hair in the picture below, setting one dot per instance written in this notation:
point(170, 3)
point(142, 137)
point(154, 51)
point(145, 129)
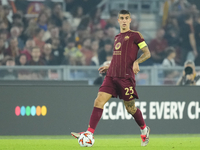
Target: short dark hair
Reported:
point(170, 50)
point(124, 12)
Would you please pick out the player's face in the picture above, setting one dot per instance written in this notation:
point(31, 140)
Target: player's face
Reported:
point(124, 21)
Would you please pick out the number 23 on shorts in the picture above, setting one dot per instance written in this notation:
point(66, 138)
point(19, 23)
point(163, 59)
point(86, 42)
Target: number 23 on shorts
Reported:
point(129, 89)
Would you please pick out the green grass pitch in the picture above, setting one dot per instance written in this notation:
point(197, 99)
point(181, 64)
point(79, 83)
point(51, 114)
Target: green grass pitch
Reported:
point(102, 142)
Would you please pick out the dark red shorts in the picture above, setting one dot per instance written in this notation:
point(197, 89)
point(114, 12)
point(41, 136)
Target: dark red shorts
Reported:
point(122, 87)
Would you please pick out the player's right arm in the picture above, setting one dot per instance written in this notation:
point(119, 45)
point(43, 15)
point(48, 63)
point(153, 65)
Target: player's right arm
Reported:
point(105, 67)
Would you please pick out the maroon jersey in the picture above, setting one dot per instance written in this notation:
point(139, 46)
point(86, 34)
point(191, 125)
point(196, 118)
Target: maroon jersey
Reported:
point(124, 54)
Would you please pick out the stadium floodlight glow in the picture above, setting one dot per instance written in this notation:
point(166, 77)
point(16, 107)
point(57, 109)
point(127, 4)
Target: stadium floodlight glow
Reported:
point(31, 111)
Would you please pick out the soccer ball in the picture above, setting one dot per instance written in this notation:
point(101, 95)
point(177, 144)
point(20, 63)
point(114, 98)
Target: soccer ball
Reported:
point(86, 139)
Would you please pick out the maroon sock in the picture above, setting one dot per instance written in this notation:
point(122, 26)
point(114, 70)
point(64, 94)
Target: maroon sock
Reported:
point(139, 119)
point(94, 119)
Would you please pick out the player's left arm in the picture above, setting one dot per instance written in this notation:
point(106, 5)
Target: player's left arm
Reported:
point(139, 40)
point(146, 55)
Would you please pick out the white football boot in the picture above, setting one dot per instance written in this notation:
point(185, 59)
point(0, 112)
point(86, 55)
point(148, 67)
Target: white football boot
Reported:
point(76, 135)
point(145, 138)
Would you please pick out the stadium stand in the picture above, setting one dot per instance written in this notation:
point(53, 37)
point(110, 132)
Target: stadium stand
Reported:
point(65, 30)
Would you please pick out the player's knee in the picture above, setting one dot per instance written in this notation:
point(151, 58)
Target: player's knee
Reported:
point(99, 101)
point(131, 110)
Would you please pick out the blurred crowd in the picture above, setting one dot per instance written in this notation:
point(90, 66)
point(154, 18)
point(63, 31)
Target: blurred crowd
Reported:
point(53, 36)
point(178, 39)
point(48, 34)
point(78, 36)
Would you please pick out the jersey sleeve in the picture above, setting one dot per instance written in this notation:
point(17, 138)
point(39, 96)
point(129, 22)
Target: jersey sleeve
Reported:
point(139, 40)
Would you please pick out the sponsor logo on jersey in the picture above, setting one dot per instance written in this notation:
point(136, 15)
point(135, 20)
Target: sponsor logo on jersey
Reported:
point(126, 38)
point(118, 45)
point(117, 53)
